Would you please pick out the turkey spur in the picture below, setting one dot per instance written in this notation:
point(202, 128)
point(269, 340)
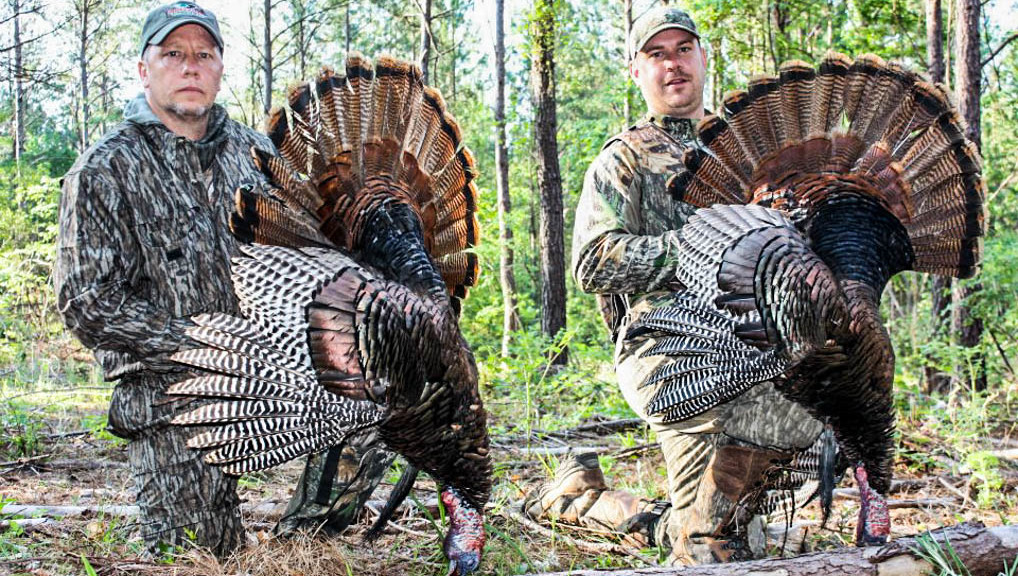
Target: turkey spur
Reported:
point(349, 295)
point(815, 189)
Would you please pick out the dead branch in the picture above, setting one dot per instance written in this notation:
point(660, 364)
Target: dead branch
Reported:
point(983, 551)
point(994, 52)
point(853, 494)
point(636, 450)
point(601, 428)
point(592, 547)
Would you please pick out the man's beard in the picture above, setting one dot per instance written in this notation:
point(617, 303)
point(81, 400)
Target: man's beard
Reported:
point(189, 114)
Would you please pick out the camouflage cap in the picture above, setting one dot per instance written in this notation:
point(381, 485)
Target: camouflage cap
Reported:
point(656, 20)
point(166, 19)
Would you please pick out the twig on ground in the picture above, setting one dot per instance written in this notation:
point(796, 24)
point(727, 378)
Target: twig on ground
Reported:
point(954, 490)
point(635, 450)
point(55, 391)
point(22, 462)
point(58, 435)
point(853, 494)
point(591, 547)
point(397, 527)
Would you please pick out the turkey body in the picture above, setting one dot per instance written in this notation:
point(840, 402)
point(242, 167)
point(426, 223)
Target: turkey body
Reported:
point(349, 291)
point(816, 188)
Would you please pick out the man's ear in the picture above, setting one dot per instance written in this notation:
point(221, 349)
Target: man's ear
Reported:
point(634, 72)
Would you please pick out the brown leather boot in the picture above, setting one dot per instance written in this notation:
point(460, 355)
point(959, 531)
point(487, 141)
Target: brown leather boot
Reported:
point(578, 495)
point(577, 485)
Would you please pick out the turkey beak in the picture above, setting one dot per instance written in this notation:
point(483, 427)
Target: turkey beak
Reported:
point(453, 569)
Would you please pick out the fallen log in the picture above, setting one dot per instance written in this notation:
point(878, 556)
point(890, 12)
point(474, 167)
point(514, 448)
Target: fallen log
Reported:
point(984, 551)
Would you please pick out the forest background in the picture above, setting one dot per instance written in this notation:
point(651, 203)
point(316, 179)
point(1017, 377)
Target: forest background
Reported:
point(68, 66)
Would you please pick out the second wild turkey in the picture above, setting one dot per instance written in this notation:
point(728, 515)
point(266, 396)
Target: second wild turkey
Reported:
point(350, 313)
point(816, 188)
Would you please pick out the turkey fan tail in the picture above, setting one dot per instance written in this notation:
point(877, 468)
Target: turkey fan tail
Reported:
point(796, 141)
point(382, 157)
point(265, 404)
point(758, 301)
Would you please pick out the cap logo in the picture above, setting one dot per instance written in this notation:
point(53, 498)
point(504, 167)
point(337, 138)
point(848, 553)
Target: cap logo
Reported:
point(184, 9)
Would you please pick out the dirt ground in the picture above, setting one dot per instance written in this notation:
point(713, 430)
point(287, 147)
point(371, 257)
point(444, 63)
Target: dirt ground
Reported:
point(85, 468)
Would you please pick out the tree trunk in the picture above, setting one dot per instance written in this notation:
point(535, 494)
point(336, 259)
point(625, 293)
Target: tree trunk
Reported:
point(301, 10)
point(968, 80)
point(347, 30)
point(19, 90)
point(549, 180)
point(510, 317)
point(934, 40)
point(425, 39)
point(937, 381)
point(627, 102)
point(83, 13)
point(267, 59)
point(983, 551)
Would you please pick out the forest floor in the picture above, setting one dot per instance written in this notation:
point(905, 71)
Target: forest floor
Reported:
point(957, 461)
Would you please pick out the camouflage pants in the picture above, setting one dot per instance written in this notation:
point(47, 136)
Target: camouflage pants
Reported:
point(712, 460)
point(177, 493)
point(335, 485)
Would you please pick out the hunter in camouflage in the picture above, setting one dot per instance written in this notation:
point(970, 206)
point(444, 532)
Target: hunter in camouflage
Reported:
point(625, 251)
point(144, 245)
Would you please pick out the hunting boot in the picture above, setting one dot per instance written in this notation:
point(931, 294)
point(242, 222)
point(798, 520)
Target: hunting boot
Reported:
point(578, 495)
point(720, 525)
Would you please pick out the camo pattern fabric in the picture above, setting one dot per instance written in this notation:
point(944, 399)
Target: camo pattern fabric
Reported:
point(144, 244)
point(625, 241)
point(144, 241)
point(625, 248)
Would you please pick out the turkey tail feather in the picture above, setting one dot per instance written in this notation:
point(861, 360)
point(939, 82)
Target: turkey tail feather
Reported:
point(366, 141)
point(875, 128)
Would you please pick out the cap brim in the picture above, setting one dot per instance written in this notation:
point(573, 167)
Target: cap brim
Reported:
point(163, 32)
point(663, 27)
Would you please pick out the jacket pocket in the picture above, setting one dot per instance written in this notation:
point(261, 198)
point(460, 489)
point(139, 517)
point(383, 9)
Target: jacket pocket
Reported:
point(170, 249)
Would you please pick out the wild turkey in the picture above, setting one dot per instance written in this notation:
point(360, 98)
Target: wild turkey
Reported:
point(350, 317)
point(823, 185)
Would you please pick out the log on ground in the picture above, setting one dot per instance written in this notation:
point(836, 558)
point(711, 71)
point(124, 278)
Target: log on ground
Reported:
point(984, 552)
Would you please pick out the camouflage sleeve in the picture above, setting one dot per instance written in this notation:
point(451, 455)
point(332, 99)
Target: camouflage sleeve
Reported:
point(96, 263)
point(609, 254)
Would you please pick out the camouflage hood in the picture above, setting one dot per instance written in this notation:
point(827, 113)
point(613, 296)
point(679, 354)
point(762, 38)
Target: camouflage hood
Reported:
point(137, 111)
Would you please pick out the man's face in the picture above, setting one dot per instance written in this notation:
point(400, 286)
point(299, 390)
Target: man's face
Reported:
point(182, 75)
point(670, 70)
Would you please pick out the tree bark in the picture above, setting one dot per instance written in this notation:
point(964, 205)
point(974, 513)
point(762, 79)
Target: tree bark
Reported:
point(983, 551)
point(507, 279)
point(937, 381)
point(549, 179)
point(267, 58)
point(19, 89)
point(84, 9)
point(934, 40)
point(627, 102)
point(968, 81)
point(426, 40)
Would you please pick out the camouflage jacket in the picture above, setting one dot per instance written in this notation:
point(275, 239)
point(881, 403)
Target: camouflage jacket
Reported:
point(144, 241)
point(627, 225)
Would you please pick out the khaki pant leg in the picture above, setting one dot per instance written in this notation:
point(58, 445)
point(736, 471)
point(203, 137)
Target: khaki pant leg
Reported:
point(715, 457)
point(688, 448)
point(177, 493)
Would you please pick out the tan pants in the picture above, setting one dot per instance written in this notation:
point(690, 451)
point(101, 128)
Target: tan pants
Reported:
point(712, 459)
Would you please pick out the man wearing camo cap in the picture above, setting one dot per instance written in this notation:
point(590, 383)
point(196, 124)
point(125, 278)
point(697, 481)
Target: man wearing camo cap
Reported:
point(625, 251)
point(144, 245)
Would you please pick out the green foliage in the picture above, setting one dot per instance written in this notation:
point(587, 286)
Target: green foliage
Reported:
point(986, 473)
point(20, 431)
point(942, 556)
